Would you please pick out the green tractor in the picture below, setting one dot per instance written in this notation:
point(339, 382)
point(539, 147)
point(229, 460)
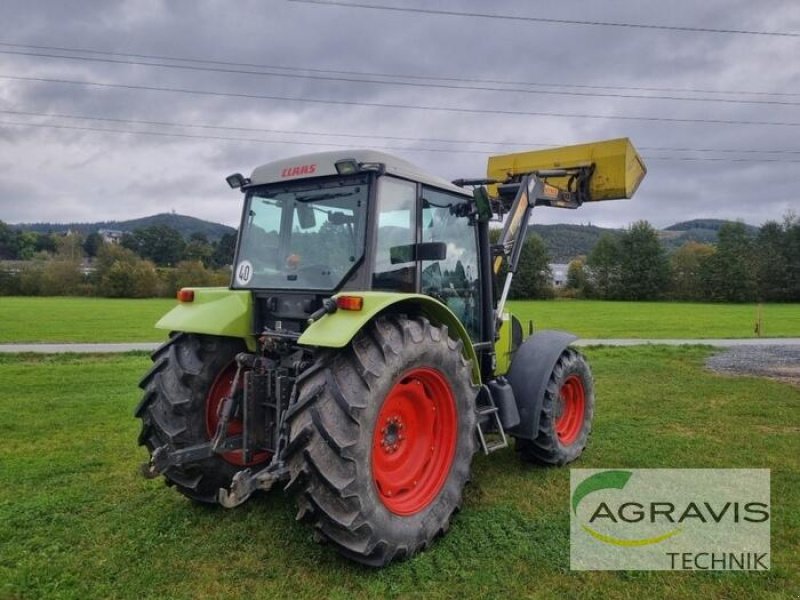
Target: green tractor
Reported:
point(362, 354)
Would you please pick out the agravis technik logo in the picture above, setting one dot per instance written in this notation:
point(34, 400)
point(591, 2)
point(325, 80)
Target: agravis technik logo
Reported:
point(704, 519)
point(614, 480)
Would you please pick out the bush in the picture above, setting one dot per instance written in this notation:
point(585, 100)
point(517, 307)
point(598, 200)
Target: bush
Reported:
point(578, 285)
point(192, 274)
point(9, 284)
point(29, 279)
point(129, 280)
point(61, 278)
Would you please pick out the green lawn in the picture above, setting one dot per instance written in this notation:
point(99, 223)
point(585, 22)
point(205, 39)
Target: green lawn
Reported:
point(81, 319)
point(112, 320)
point(603, 319)
point(77, 521)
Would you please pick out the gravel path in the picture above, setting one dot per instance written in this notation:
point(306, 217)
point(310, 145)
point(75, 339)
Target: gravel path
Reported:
point(78, 348)
point(775, 361)
point(149, 346)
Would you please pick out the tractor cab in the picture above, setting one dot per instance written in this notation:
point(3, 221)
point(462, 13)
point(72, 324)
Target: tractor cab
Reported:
point(360, 220)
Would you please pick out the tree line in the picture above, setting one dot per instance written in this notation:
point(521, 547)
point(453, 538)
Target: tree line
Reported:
point(148, 262)
point(738, 268)
point(633, 265)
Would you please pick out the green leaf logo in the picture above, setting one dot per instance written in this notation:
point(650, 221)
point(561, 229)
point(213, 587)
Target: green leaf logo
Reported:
point(611, 480)
point(599, 481)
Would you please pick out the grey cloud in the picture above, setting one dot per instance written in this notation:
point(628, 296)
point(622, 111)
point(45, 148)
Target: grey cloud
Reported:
point(67, 175)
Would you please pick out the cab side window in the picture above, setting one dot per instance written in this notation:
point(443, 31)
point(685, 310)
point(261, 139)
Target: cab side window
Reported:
point(453, 280)
point(396, 208)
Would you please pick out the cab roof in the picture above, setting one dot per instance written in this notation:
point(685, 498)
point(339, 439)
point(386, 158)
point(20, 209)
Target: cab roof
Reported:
point(323, 164)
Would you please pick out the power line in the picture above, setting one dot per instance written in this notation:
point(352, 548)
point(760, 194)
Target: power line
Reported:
point(223, 138)
point(334, 145)
point(403, 83)
point(450, 109)
point(366, 136)
point(552, 21)
point(400, 76)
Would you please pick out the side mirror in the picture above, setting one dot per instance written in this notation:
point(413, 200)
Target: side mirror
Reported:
point(413, 252)
point(305, 215)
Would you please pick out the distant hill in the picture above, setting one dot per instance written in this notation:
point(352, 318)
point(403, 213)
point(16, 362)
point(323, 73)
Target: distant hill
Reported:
point(565, 242)
point(182, 223)
point(705, 224)
point(704, 231)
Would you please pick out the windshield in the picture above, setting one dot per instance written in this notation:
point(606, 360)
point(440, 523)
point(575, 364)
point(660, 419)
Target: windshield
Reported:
point(303, 236)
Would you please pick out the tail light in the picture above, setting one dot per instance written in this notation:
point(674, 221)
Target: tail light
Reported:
point(186, 295)
point(350, 302)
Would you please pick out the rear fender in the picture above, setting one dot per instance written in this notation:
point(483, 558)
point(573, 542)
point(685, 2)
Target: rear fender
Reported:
point(530, 371)
point(335, 330)
point(214, 311)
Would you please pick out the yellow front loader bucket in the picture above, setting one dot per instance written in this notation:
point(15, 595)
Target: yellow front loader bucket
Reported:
point(618, 168)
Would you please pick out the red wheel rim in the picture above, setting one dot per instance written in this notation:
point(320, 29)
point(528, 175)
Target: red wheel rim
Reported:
point(414, 441)
point(571, 406)
point(219, 389)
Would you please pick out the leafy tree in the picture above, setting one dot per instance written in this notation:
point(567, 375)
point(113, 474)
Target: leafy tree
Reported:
point(25, 245)
point(198, 251)
point(9, 283)
point(772, 264)
point(192, 274)
point(92, 244)
point(686, 264)
point(112, 253)
point(138, 280)
point(60, 277)
point(46, 242)
point(121, 274)
point(224, 249)
point(604, 266)
point(70, 247)
point(130, 242)
point(533, 277)
point(159, 243)
point(791, 250)
point(8, 242)
point(729, 274)
point(29, 279)
point(644, 268)
point(578, 278)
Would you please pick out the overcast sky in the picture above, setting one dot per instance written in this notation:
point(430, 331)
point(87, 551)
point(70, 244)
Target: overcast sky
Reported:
point(53, 169)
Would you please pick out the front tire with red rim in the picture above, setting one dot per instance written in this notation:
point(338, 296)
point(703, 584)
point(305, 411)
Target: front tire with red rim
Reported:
point(381, 438)
point(182, 391)
point(567, 412)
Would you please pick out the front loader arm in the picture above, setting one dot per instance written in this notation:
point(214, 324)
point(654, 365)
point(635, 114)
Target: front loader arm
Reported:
point(532, 190)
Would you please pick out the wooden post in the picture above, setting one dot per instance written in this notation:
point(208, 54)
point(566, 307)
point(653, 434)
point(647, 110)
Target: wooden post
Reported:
point(759, 320)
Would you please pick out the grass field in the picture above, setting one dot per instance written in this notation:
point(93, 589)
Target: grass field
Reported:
point(602, 319)
point(77, 521)
point(110, 320)
point(81, 319)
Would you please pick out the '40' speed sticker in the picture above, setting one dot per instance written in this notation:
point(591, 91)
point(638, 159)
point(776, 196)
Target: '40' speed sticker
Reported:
point(244, 272)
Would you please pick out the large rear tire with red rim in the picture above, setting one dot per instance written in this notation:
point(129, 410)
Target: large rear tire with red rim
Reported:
point(567, 412)
point(381, 438)
point(190, 376)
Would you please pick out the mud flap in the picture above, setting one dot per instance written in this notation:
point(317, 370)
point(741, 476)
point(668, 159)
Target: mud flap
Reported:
point(530, 371)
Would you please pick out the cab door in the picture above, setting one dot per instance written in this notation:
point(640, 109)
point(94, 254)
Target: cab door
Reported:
point(454, 279)
point(395, 225)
